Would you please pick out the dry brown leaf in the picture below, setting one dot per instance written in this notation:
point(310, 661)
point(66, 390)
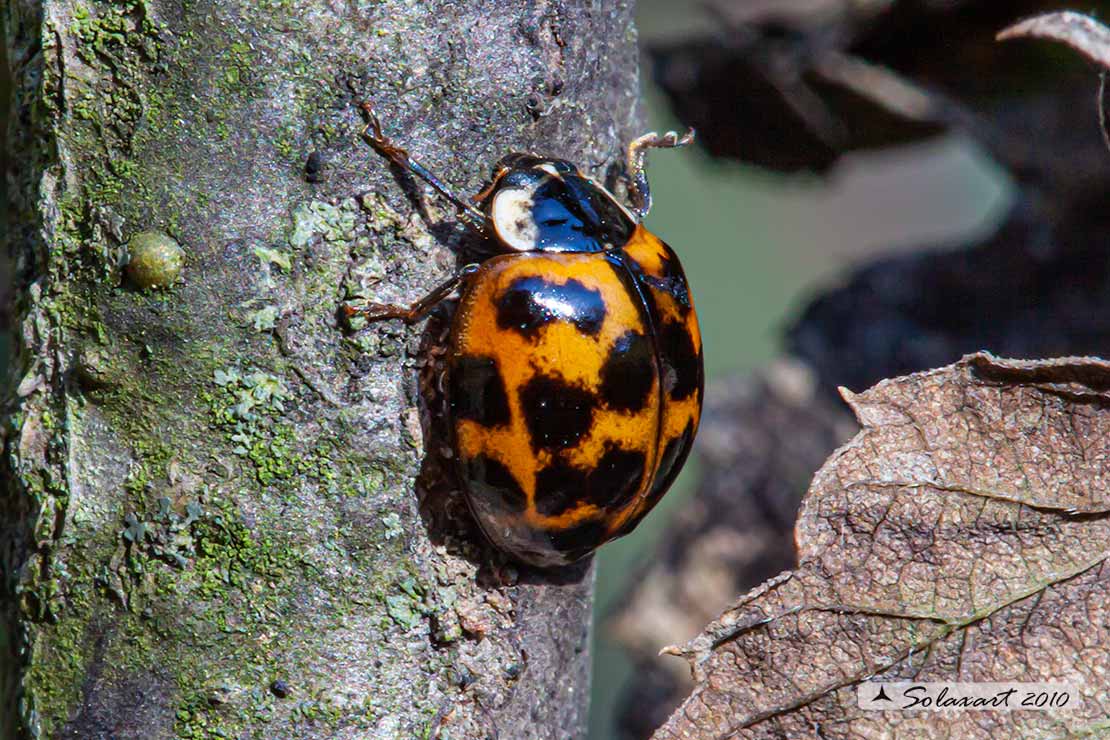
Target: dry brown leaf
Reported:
point(1081, 32)
point(961, 535)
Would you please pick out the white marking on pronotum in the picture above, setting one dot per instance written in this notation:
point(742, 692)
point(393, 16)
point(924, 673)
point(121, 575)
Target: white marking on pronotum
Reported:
point(511, 214)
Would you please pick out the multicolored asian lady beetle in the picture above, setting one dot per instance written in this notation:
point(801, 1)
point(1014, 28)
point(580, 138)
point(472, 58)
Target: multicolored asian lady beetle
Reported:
point(575, 361)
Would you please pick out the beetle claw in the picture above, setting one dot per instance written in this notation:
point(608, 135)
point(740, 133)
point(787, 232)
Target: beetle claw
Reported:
point(672, 139)
point(372, 132)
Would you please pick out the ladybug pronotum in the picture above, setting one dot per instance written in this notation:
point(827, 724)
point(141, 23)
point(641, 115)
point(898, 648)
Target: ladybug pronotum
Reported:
point(575, 361)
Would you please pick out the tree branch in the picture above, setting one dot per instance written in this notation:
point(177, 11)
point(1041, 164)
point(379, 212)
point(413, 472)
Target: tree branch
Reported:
point(210, 521)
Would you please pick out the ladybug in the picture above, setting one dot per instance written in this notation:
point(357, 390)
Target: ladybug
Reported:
point(574, 366)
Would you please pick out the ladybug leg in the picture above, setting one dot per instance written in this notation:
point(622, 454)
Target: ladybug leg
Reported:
point(413, 313)
point(372, 132)
point(638, 191)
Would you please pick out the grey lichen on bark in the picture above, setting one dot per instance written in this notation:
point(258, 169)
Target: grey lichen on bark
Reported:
point(209, 523)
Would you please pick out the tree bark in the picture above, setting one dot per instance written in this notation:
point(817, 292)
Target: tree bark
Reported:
point(211, 525)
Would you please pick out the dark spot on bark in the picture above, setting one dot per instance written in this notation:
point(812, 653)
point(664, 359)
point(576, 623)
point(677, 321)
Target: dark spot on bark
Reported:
point(628, 373)
point(557, 413)
point(534, 105)
point(530, 303)
point(682, 373)
point(478, 392)
point(461, 676)
point(313, 166)
point(495, 485)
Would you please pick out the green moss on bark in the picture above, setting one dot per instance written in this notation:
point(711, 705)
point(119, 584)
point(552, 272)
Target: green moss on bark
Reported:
point(212, 485)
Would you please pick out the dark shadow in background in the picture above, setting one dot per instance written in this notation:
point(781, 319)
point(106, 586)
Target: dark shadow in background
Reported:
point(790, 94)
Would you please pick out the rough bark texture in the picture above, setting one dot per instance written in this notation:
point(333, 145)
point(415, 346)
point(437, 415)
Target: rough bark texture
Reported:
point(210, 523)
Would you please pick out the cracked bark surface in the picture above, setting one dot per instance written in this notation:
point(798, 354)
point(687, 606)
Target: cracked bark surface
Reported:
point(209, 521)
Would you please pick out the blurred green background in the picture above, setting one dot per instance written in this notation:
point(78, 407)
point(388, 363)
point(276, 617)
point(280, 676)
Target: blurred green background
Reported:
point(755, 247)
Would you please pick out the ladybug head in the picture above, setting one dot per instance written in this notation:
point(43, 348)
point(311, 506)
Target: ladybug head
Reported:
point(542, 204)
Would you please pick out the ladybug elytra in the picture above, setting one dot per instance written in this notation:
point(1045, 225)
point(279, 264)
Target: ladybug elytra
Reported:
point(575, 363)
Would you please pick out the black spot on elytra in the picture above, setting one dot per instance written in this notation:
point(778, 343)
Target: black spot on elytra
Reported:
point(496, 487)
point(558, 488)
point(477, 391)
point(674, 281)
point(670, 268)
point(530, 303)
point(682, 373)
point(671, 280)
point(676, 287)
point(701, 385)
point(614, 478)
point(628, 373)
point(557, 413)
point(670, 462)
point(579, 541)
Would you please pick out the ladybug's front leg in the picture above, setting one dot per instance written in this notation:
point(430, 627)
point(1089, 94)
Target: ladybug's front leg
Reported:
point(400, 157)
point(413, 313)
point(638, 191)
